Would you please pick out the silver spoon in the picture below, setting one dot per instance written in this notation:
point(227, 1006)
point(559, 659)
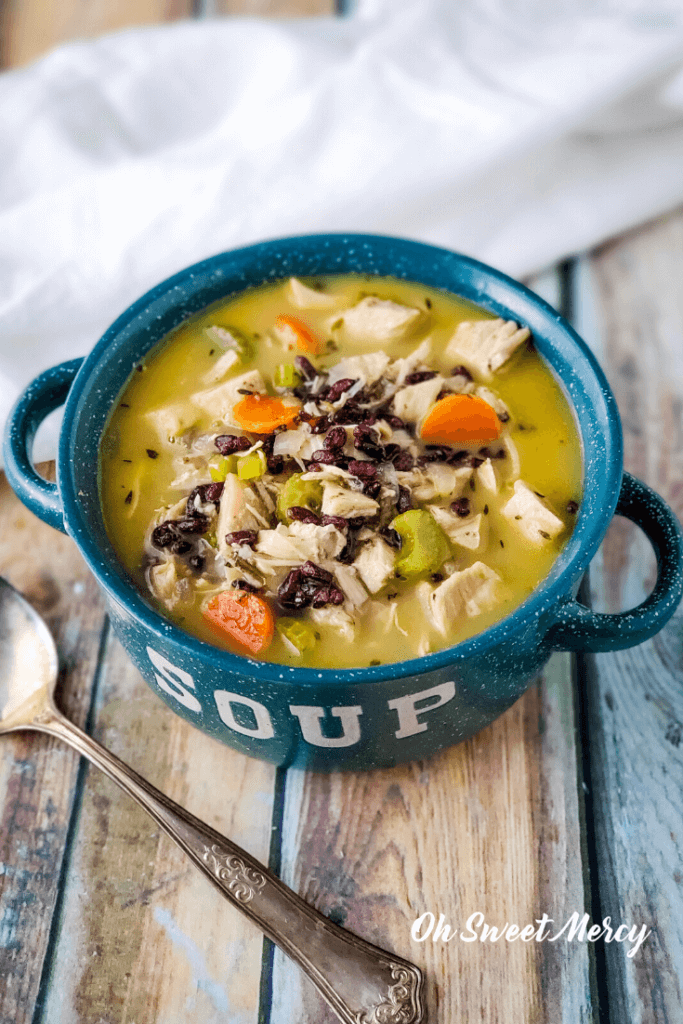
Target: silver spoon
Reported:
point(362, 984)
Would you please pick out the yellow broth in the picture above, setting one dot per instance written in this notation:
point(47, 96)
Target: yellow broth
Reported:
point(135, 485)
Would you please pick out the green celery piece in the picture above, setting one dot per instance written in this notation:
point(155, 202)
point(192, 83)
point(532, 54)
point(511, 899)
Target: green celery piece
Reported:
point(231, 338)
point(286, 376)
point(305, 493)
point(424, 546)
point(220, 467)
point(251, 467)
point(299, 633)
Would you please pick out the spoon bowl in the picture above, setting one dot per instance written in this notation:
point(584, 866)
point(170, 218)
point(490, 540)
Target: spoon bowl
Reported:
point(359, 981)
point(28, 663)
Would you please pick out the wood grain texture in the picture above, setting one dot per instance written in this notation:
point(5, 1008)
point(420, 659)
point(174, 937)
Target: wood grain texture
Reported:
point(30, 28)
point(491, 826)
point(144, 937)
point(38, 775)
point(635, 698)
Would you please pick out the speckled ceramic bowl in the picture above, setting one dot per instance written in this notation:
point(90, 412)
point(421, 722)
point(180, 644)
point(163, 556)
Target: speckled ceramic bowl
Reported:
point(366, 717)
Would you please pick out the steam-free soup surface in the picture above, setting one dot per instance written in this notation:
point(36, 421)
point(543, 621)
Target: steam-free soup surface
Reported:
point(340, 472)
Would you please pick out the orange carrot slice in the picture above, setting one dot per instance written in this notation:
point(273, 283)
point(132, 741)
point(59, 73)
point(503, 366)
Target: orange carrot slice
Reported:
point(460, 418)
point(263, 414)
point(295, 331)
point(245, 617)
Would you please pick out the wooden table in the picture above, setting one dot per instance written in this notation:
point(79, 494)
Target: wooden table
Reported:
point(571, 802)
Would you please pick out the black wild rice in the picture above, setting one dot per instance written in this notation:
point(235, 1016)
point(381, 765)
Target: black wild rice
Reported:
point(248, 537)
point(302, 514)
point(419, 376)
point(228, 444)
point(404, 502)
point(461, 507)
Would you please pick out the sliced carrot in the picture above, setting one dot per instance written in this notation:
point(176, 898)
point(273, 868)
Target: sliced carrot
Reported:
point(294, 330)
point(460, 418)
point(245, 617)
point(263, 414)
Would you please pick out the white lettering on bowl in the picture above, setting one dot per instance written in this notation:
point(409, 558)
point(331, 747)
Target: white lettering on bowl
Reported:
point(408, 723)
point(263, 729)
point(178, 684)
point(309, 720)
point(174, 681)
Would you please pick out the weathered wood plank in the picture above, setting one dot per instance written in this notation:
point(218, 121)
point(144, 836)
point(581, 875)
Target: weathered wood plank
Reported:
point(31, 28)
point(635, 698)
point(490, 826)
point(38, 776)
point(144, 936)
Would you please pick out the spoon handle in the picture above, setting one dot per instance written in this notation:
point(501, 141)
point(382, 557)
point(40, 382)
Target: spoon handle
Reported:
point(362, 983)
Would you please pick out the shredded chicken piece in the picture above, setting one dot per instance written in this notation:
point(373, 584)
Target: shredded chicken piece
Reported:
point(484, 345)
point(469, 593)
point(486, 476)
point(418, 358)
point(164, 582)
point(381, 614)
point(511, 463)
point(220, 400)
point(497, 404)
point(354, 591)
point(413, 402)
point(440, 480)
point(335, 473)
point(470, 533)
point(192, 471)
point(169, 421)
point(299, 444)
point(366, 369)
point(340, 501)
point(528, 513)
point(303, 297)
point(318, 543)
point(263, 494)
point(336, 617)
point(375, 564)
point(222, 367)
point(301, 542)
point(375, 320)
point(234, 513)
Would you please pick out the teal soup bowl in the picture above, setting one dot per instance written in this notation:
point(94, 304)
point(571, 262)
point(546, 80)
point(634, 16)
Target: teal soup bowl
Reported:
point(352, 718)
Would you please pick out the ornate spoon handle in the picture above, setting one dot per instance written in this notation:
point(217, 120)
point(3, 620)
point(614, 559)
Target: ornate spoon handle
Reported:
point(362, 984)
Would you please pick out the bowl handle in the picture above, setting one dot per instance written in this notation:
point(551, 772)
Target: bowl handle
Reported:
point(47, 392)
point(576, 628)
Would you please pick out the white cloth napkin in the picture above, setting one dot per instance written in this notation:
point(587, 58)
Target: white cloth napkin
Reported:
point(518, 131)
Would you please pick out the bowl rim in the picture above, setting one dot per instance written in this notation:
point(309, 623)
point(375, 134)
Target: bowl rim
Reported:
point(567, 568)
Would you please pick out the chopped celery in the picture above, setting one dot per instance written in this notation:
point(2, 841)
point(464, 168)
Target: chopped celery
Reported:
point(424, 546)
point(299, 633)
point(230, 338)
point(286, 376)
point(304, 493)
point(252, 466)
point(220, 466)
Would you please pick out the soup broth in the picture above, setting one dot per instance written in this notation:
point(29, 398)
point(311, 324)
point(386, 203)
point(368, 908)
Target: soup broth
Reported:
point(340, 472)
